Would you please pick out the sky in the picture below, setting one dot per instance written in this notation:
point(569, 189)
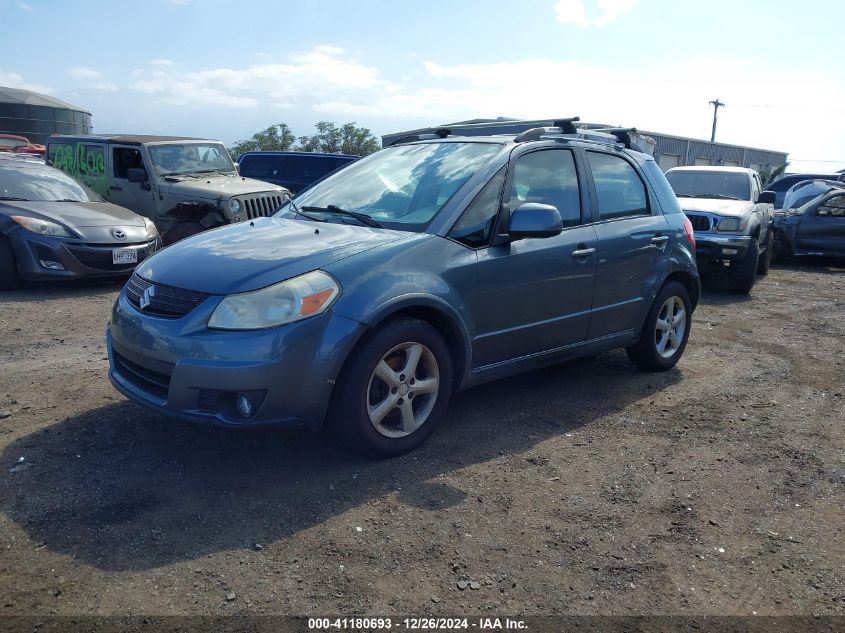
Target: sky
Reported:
point(224, 69)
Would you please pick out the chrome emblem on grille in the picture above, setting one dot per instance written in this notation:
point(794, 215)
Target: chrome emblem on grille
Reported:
point(119, 234)
point(149, 293)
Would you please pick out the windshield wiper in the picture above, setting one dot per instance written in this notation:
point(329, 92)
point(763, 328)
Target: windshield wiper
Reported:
point(296, 210)
point(361, 217)
point(15, 198)
point(214, 171)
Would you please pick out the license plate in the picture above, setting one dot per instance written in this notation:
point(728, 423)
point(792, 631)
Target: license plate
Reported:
point(124, 256)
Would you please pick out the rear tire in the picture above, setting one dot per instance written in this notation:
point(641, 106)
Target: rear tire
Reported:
point(665, 331)
point(393, 390)
point(9, 279)
point(765, 259)
point(182, 230)
point(743, 275)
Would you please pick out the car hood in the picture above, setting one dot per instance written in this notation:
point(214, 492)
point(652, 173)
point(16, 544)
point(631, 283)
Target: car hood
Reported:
point(735, 208)
point(217, 186)
point(251, 255)
point(76, 215)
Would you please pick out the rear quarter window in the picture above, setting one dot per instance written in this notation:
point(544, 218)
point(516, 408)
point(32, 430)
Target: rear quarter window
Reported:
point(666, 198)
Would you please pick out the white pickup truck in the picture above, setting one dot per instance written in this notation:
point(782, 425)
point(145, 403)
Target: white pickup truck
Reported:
point(731, 217)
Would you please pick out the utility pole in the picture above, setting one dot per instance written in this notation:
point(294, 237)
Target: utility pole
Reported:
point(716, 105)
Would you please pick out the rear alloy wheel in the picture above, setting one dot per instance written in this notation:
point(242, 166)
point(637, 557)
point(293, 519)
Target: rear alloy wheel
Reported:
point(666, 330)
point(394, 389)
point(9, 279)
point(765, 259)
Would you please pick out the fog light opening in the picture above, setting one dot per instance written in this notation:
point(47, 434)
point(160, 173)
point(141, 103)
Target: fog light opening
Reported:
point(244, 405)
point(49, 265)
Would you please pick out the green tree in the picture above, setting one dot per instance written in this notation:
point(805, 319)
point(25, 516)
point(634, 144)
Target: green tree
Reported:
point(769, 174)
point(345, 139)
point(277, 137)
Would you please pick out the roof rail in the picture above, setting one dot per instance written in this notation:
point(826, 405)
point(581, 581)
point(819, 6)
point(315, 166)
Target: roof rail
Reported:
point(630, 138)
point(440, 132)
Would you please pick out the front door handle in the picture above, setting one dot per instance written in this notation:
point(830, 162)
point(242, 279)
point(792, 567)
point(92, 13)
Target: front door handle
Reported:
point(581, 251)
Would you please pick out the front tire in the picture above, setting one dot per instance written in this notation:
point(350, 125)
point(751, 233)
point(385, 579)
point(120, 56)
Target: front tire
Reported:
point(743, 275)
point(180, 231)
point(666, 330)
point(9, 279)
point(393, 390)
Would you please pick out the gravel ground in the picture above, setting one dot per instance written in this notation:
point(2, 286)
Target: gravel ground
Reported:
point(588, 488)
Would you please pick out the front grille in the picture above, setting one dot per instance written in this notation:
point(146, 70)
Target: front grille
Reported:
point(166, 301)
point(261, 205)
point(99, 256)
point(700, 222)
point(154, 382)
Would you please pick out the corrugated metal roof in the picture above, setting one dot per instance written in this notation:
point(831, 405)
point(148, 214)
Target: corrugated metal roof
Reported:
point(18, 95)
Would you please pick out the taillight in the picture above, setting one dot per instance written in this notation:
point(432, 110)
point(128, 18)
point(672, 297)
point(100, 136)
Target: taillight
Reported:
point(689, 233)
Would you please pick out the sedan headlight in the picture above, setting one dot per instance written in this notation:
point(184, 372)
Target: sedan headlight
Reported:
point(42, 227)
point(285, 302)
point(151, 229)
point(730, 224)
point(235, 206)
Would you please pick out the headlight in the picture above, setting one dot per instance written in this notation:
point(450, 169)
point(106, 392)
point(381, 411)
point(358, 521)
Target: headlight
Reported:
point(235, 206)
point(730, 224)
point(285, 302)
point(42, 227)
point(151, 228)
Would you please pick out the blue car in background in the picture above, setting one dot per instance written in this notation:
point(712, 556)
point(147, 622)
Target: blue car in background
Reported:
point(428, 267)
point(292, 170)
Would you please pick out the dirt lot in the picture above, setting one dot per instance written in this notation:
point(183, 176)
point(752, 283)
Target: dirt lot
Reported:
point(590, 488)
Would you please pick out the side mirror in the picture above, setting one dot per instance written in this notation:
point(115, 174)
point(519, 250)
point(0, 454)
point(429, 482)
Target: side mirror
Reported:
point(136, 174)
point(534, 220)
point(766, 197)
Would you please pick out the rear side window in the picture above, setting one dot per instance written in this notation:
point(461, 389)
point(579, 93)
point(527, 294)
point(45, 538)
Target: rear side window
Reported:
point(661, 187)
point(548, 177)
point(620, 191)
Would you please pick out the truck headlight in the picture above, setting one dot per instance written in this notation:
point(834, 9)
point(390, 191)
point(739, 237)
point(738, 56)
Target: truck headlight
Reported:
point(235, 206)
point(730, 224)
point(151, 229)
point(291, 300)
point(42, 227)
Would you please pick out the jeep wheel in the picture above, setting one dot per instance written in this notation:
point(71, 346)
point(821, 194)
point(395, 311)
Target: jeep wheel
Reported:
point(180, 231)
point(743, 273)
point(9, 279)
point(765, 259)
point(393, 390)
point(666, 330)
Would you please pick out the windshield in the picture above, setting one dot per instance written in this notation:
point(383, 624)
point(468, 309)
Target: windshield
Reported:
point(401, 187)
point(703, 184)
point(43, 184)
point(175, 159)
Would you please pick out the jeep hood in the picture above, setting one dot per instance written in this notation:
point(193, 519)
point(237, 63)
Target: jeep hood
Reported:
point(251, 255)
point(214, 186)
point(728, 208)
point(75, 215)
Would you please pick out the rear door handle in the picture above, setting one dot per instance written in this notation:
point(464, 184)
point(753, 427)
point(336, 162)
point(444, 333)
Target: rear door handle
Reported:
point(660, 239)
point(116, 188)
point(583, 252)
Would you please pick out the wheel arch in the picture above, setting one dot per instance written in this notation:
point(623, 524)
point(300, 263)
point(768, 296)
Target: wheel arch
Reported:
point(686, 279)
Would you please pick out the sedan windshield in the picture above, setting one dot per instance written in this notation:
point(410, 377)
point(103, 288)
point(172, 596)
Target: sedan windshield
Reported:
point(44, 184)
point(710, 184)
point(400, 187)
point(174, 159)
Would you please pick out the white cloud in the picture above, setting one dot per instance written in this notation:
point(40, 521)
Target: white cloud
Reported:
point(81, 72)
point(321, 72)
point(14, 80)
point(574, 12)
point(161, 62)
point(94, 79)
point(23, 6)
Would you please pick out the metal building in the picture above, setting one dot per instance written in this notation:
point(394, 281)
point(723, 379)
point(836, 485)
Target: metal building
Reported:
point(671, 151)
point(37, 116)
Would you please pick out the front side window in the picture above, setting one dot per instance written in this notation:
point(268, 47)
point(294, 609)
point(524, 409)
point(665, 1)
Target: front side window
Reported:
point(833, 208)
point(174, 159)
point(477, 223)
point(124, 159)
point(619, 189)
point(402, 187)
point(548, 177)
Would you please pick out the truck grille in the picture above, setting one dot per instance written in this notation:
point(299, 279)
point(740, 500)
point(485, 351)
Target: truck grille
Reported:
point(700, 222)
point(261, 205)
point(165, 301)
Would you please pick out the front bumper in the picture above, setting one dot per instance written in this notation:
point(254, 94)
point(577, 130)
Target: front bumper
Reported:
point(721, 247)
point(181, 368)
point(76, 258)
